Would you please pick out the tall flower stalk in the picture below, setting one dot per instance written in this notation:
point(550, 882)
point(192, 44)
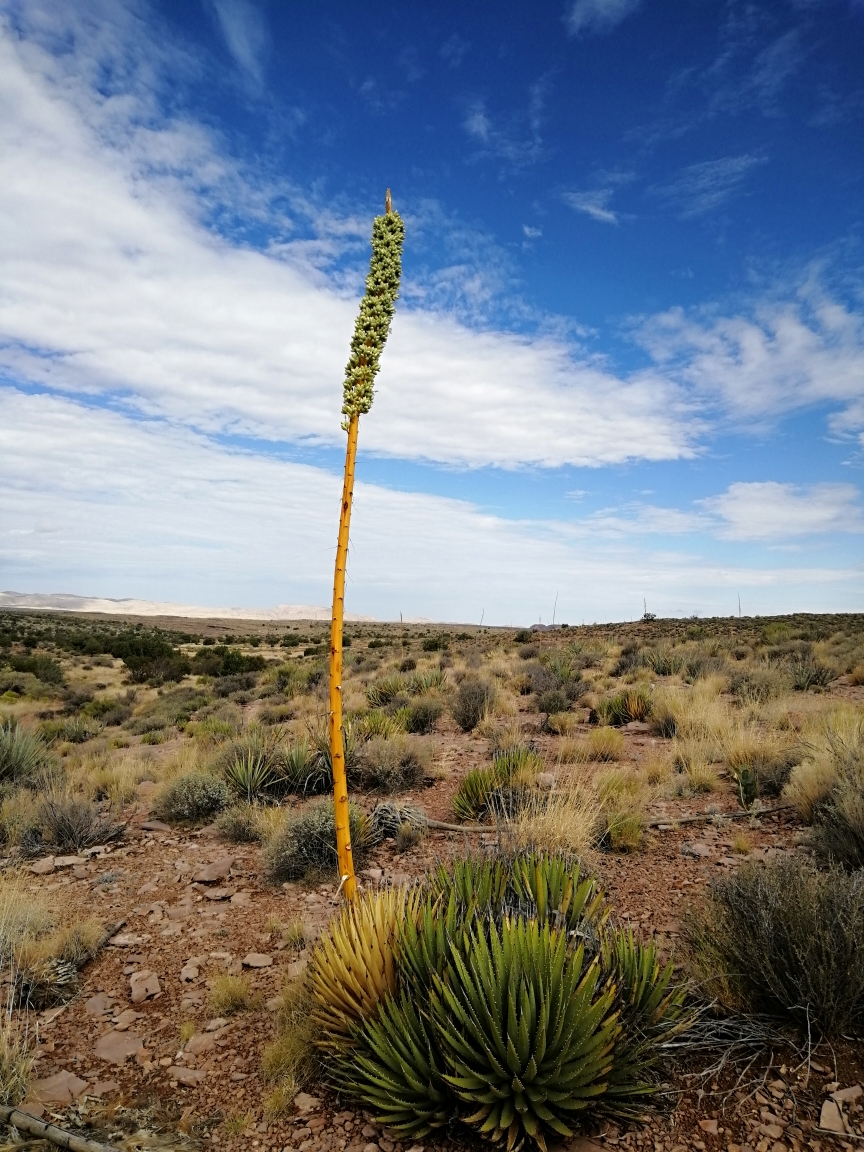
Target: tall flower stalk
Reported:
point(370, 335)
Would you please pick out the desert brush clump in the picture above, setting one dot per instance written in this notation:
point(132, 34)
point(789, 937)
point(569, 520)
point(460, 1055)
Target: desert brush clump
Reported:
point(392, 764)
point(472, 700)
point(508, 1007)
point(191, 798)
point(497, 789)
point(623, 708)
point(71, 823)
point(22, 753)
point(306, 841)
point(785, 938)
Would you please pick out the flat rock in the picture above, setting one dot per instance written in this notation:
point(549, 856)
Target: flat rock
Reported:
point(62, 1088)
point(189, 972)
point(199, 1043)
point(709, 1126)
point(242, 898)
point(68, 861)
point(156, 826)
point(150, 886)
point(32, 1108)
point(128, 940)
point(218, 893)
point(215, 1025)
point(99, 1004)
point(218, 870)
point(257, 960)
point(296, 968)
point(127, 1019)
point(117, 1047)
point(372, 873)
point(303, 1102)
point(637, 726)
point(697, 849)
point(143, 985)
point(42, 867)
point(187, 1076)
point(847, 1095)
point(103, 1087)
point(830, 1118)
point(179, 912)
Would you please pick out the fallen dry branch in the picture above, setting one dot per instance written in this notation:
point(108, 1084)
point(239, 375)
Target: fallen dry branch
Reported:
point(666, 822)
point(24, 1122)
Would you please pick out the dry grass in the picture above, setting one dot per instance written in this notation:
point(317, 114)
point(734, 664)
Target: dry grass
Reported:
point(603, 745)
point(230, 994)
point(742, 844)
point(624, 795)
point(291, 1061)
point(565, 820)
point(16, 1062)
point(562, 723)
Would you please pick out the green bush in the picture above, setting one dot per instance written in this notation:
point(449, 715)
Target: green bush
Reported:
point(631, 704)
point(785, 939)
point(22, 753)
point(473, 697)
point(42, 667)
point(423, 714)
point(392, 765)
point(240, 824)
point(307, 842)
point(192, 798)
point(807, 675)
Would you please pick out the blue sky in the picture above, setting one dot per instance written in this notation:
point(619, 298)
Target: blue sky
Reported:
point(628, 361)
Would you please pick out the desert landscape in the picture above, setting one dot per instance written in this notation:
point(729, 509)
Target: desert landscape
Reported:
point(169, 866)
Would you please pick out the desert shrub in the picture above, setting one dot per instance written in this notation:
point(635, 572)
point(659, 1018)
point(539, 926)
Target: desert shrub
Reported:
point(624, 707)
point(71, 824)
point(423, 714)
point(760, 757)
point(784, 938)
point(291, 1061)
point(22, 753)
point(191, 798)
point(72, 730)
point(408, 664)
point(240, 824)
point(838, 815)
point(392, 765)
point(623, 797)
point(758, 685)
point(383, 692)
point(427, 680)
point(306, 843)
point(253, 772)
point(566, 820)
point(16, 1063)
point(662, 662)
point(42, 667)
point(498, 788)
point(552, 701)
point(376, 723)
point(473, 698)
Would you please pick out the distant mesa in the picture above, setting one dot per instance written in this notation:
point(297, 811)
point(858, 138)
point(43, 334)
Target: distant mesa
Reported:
point(63, 602)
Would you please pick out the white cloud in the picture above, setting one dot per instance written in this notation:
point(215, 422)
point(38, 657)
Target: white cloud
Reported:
point(242, 24)
point(597, 15)
point(112, 285)
point(97, 504)
point(701, 188)
point(593, 204)
point(771, 511)
point(780, 357)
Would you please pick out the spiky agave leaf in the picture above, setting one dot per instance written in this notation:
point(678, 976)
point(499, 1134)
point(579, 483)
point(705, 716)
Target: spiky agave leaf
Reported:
point(397, 1070)
point(526, 1033)
point(652, 1010)
point(552, 883)
point(352, 967)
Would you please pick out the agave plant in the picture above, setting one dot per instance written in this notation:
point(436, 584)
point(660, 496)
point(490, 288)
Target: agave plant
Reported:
point(526, 1029)
point(475, 796)
point(398, 1070)
point(353, 966)
point(552, 883)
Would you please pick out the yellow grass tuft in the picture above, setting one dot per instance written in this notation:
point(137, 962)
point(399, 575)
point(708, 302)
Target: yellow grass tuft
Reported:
point(230, 994)
point(565, 820)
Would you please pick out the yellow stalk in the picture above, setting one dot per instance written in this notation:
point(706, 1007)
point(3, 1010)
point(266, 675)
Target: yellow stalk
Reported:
point(337, 745)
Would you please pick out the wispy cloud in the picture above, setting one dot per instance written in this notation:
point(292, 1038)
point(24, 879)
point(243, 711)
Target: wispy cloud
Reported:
point(454, 49)
point(246, 35)
point(701, 188)
point(593, 204)
point(597, 16)
point(516, 140)
point(769, 511)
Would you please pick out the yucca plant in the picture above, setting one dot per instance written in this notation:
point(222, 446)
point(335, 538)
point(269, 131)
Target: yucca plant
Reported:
point(376, 723)
point(383, 692)
point(370, 335)
point(353, 966)
point(22, 753)
point(427, 681)
point(527, 1030)
point(474, 798)
point(251, 774)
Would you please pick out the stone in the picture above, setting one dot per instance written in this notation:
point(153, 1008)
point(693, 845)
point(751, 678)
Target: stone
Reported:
point(156, 826)
point(127, 1019)
point(179, 912)
point(37, 1111)
point(146, 787)
point(128, 940)
point(371, 1148)
point(847, 1095)
point(304, 1103)
point(62, 1088)
point(374, 874)
point(584, 1144)
point(257, 960)
point(215, 1025)
point(243, 898)
point(80, 871)
point(697, 849)
point(99, 1004)
point(273, 1004)
point(150, 886)
point(296, 968)
point(143, 985)
point(545, 780)
point(709, 1126)
point(831, 1118)
point(103, 1087)
point(218, 870)
point(68, 861)
point(43, 867)
point(116, 1047)
point(199, 1043)
point(188, 1076)
point(218, 893)
point(189, 972)
point(772, 1131)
